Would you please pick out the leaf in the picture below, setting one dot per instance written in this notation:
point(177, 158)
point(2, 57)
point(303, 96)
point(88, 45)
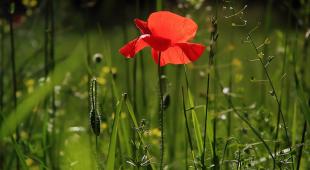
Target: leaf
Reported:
point(25, 107)
point(301, 98)
point(198, 136)
point(134, 120)
point(113, 139)
point(20, 155)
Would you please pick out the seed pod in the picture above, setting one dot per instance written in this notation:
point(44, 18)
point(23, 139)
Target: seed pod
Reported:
point(95, 122)
point(94, 115)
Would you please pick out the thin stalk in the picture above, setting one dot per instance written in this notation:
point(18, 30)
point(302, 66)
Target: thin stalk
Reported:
point(52, 51)
point(143, 82)
point(161, 116)
point(238, 161)
point(229, 118)
point(282, 85)
point(1, 68)
point(303, 139)
point(186, 158)
point(273, 91)
point(125, 40)
point(250, 126)
point(46, 39)
point(97, 152)
point(14, 79)
point(159, 5)
point(267, 22)
point(205, 124)
point(215, 161)
point(174, 124)
point(52, 63)
point(46, 71)
point(134, 87)
point(188, 131)
point(13, 66)
point(210, 64)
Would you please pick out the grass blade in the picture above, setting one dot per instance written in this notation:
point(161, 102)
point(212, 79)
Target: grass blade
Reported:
point(196, 124)
point(113, 139)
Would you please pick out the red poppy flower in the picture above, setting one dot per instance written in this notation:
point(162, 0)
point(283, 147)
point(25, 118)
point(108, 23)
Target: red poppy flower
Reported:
point(168, 34)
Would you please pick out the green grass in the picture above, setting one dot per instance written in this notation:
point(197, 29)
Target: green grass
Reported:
point(130, 137)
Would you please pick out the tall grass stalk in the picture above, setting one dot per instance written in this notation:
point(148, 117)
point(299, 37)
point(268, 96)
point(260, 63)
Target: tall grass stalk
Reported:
point(161, 112)
point(14, 74)
point(1, 67)
point(188, 131)
point(256, 132)
point(282, 86)
point(229, 117)
point(46, 71)
point(300, 86)
point(143, 82)
point(198, 136)
point(267, 21)
point(174, 125)
point(213, 38)
point(53, 138)
point(303, 140)
point(273, 92)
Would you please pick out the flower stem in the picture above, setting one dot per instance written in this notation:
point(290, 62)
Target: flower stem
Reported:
point(161, 110)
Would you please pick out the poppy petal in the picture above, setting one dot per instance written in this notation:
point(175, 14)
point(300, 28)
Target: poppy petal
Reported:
point(181, 53)
point(158, 43)
point(142, 26)
point(192, 50)
point(173, 55)
point(171, 26)
point(133, 47)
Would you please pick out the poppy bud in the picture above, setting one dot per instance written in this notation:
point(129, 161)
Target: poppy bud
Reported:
point(95, 122)
point(94, 116)
point(166, 101)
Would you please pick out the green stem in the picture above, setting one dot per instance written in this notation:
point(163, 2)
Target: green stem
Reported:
point(1, 68)
point(188, 131)
point(303, 138)
point(249, 125)
point(210, 64)
point(273, 91)
point(14, 79)
point(282, 88)
point(205, 124)
point(53, 95)
point(161, 116)
point(46, 71)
